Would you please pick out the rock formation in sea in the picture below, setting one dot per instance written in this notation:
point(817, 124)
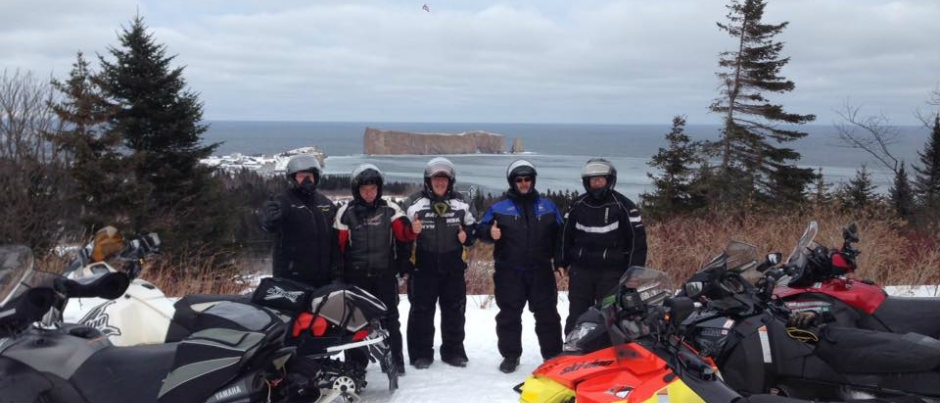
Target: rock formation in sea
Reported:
point(392, 142)
point(517, 146)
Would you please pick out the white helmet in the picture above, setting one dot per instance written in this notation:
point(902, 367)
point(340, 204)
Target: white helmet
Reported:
point(598, 167)
point(440, 166)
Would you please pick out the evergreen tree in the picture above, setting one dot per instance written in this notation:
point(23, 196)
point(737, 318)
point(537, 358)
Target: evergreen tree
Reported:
point(672, 191)
point(752, 166)
point(901, 194)
point(159, 122)
point(927, 182)
point(820, 193)
point(860, 191)
point(91, 151)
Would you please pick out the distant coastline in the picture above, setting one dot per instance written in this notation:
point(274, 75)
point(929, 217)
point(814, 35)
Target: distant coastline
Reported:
point(557, 149)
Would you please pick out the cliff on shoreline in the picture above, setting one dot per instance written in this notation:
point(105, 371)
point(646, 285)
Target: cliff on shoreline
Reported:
point(391, 142)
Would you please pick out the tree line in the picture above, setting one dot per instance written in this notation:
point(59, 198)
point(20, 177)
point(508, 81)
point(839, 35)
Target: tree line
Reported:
point(118, 142)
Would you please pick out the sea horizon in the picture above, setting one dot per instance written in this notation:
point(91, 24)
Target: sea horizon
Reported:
point(557, 149)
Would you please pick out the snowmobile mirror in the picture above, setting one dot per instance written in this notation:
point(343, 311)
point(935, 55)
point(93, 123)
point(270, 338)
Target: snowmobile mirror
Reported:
point(152, 240)
point(850, 233)
point(774, 258)
point(679, 309)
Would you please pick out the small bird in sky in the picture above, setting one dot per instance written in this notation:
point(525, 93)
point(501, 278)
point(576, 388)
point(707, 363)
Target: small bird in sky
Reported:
point(426, 8)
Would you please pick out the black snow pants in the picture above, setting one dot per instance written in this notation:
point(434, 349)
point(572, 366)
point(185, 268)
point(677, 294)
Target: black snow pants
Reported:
point(426, 288)
point(513, 288)
point(385, 288)
point(586, 287)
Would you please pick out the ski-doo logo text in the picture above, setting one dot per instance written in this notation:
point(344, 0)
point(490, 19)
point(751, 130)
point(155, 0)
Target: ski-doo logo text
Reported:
point(98, 318)
point(278, 292)
point(585, 365)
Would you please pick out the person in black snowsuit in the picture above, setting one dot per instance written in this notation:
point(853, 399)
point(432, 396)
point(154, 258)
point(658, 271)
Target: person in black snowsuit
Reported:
point(525, 228)
point(375, 241)
point(602, 237)
point(305, 246)
point(445, 225)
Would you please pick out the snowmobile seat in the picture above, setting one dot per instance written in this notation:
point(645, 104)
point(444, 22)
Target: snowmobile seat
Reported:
point(918, 315)
point(861, 351)
point(207, 360)
point(198, 312)
point(121, 374)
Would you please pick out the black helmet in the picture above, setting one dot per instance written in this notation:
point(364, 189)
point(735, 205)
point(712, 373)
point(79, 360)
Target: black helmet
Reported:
point(520, 168)
point(598, 167)
point(303, 163)
point(366, 174)
point(437, 167)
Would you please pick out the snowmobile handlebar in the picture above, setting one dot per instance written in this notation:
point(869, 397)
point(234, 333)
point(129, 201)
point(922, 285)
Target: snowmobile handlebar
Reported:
point(108, 285)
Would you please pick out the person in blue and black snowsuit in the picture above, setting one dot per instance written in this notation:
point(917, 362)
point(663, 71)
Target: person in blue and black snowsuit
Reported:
point(525, 228)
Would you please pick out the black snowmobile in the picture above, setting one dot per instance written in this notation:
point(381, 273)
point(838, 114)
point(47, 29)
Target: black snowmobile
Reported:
point(759, 347)
point(58, 362)
point(322, 323)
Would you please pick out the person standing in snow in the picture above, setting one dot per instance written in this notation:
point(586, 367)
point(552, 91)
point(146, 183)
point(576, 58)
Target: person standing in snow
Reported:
point(305, 248)
point(375, 242)
point(602, 237)
point(445, 225)
point(525, 229)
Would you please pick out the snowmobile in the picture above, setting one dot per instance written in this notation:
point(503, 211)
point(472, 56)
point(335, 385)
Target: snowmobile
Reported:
point(645, 359)
point(759, 348)
point(322, 323)
point(62, 362)
point(823, 282)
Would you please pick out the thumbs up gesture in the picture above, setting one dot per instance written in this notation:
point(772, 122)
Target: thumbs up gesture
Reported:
point(495, 232)
point(416, 225)
point(462, 235)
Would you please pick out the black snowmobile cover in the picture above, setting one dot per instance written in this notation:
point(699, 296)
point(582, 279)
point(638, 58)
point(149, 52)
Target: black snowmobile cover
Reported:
point(342, 305)
point(346, 306)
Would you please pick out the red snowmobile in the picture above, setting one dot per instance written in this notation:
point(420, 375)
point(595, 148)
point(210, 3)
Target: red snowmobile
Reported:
point(823, 281)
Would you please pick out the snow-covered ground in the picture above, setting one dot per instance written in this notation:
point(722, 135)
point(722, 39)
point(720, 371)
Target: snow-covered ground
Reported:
point(481, 381)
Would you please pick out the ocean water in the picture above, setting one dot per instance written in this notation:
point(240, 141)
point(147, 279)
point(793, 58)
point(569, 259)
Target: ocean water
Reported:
point(557, 150)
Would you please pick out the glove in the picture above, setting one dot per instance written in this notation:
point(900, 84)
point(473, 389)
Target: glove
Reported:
point(272, 212)
point(803, 320)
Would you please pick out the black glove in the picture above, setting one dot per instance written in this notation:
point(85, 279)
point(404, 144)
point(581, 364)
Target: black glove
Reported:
point(803, 320)
point(272, 212)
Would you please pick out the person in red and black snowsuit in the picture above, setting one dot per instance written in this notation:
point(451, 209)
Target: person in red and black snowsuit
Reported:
point(375, 239)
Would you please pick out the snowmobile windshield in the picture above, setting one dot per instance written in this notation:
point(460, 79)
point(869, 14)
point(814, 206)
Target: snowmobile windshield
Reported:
point(721, 276)
point(804, 246)
point(653, 286)
point(16, 270)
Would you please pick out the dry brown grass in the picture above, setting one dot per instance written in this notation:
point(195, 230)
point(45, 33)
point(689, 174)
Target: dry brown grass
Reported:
point(215, 275)
point(892, 253)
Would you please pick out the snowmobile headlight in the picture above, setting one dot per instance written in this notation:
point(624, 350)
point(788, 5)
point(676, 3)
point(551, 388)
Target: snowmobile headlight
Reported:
point(573, 340)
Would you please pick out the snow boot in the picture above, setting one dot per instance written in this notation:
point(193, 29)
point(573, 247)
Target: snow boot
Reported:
point(456, 361)
point(422, 363)
point(509, 365)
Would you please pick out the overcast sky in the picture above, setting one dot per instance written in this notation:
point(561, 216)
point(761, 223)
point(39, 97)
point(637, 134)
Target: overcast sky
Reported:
point(585, 61)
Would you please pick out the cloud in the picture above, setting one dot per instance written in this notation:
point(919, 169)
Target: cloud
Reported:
point(624, 61)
